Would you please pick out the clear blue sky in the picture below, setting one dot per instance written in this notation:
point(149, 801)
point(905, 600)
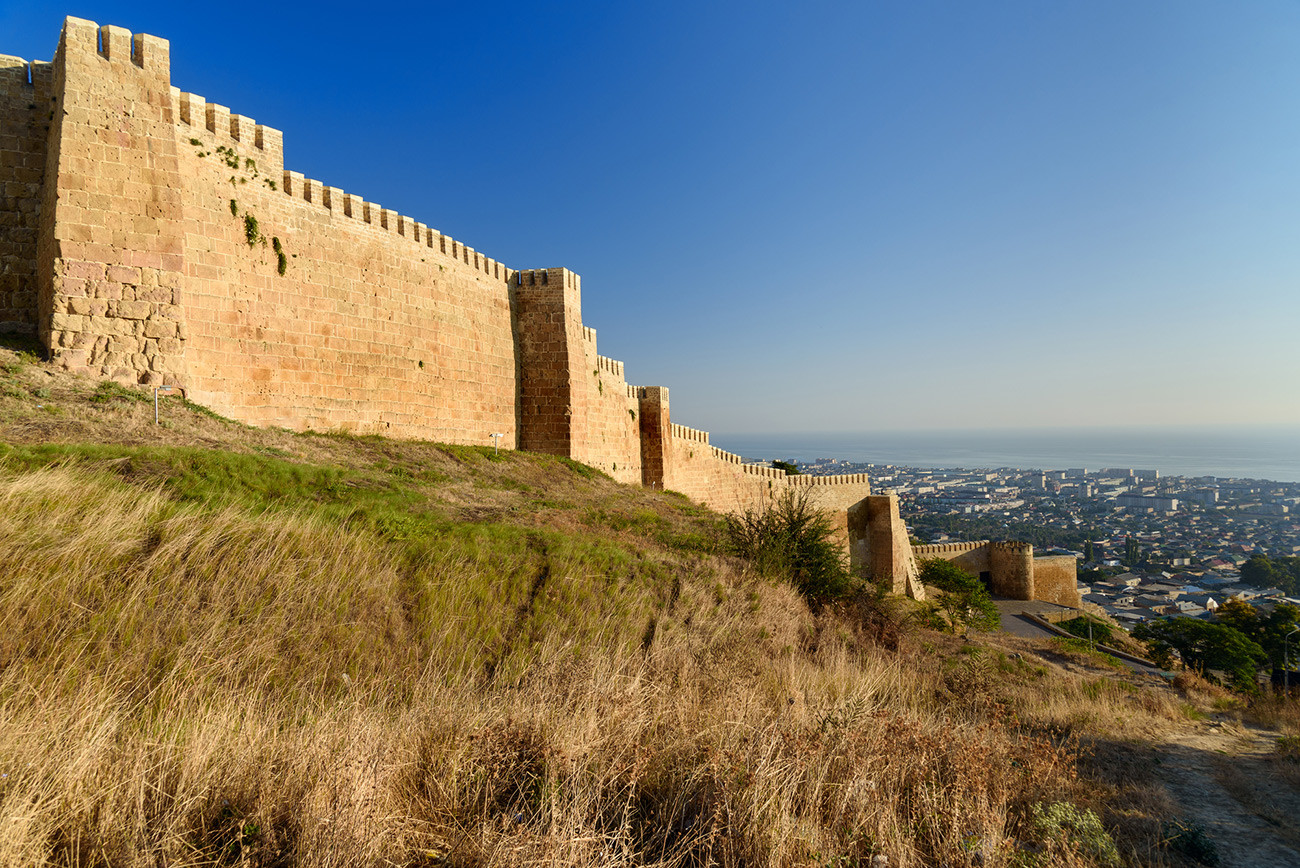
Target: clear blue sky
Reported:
point(825, 216)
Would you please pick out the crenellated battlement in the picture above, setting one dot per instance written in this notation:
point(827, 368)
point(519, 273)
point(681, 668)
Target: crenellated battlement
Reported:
point(182, 250)
point(194, 114)
point(840, 479)
point(33, 79)
point(693, 434)
point(941, 549)
point(561, 277)
point(765, 470)
point(118, 45)
point(613, 367)
point(1012, 546)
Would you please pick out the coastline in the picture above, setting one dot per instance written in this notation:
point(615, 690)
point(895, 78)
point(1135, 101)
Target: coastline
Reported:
point(1264, 452)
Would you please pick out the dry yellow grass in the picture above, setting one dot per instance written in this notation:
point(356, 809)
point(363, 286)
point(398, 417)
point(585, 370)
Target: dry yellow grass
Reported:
point(455, 660)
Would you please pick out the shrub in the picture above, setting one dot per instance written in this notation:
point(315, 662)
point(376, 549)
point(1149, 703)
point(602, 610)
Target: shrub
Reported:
point(790, 539)
point(1100, 631)
point(1190, 840)
point(961, 595)
point(1078, 829)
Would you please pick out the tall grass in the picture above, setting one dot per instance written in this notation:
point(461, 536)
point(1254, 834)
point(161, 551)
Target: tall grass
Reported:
point(206, 675)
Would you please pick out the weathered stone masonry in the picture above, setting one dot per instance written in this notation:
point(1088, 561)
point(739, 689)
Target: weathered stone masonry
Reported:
point(151, 236)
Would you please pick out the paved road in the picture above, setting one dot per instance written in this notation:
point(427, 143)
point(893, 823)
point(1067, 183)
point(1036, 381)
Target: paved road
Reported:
point(1015, 623)
point(1019, 625)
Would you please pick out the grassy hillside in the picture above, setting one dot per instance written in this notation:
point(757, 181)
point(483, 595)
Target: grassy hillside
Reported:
point(229, 646)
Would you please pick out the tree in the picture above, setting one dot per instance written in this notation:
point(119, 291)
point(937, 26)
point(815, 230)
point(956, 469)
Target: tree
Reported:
point(1087, 551)
point(1258, 570)
point(789, 467)
point(961, 594)
point(1204, 645)
point(1264, 572)
point(1238, 614)
point(1131, 552)
point(1268, 631)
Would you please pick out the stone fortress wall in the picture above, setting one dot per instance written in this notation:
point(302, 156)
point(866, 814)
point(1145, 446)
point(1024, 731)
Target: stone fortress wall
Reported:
point(148, 235)
point(25, 112)
point(880, 549)
point(152, 236)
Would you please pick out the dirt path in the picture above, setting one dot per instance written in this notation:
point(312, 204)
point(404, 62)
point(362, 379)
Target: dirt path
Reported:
point(1226, 778)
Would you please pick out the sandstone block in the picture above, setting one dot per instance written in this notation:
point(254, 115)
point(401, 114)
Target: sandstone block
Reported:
point(134, 309)
point(159, 329)
point(123, 274)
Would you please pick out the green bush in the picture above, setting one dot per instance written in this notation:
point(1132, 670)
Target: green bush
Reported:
point(1190, 839)
point(961, 595)
point(790, 539)
point(1101, 632)
point(1078, 829)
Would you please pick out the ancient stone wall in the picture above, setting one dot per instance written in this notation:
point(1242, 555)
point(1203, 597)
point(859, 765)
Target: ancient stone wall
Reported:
point(1056, 580)
point(311, 308)
point(879, 550)
point(970, 556)
point(26, 110)
point(611, 436)
point(715, 477)
point(722, 481)
point(1012, 568)
point(152, 236)
point(1009, 567)
point(110, 259)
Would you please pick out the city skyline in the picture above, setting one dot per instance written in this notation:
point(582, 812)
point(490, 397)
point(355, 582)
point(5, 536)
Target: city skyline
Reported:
point(830, 218)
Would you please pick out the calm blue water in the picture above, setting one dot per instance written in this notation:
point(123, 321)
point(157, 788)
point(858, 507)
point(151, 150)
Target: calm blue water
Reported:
point(1256, 453)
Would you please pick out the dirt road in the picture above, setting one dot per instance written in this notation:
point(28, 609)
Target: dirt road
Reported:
point(1226, 777)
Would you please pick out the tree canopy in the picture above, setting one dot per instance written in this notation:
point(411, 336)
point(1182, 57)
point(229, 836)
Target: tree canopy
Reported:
point(1265, 572)
point(961, 594)
point(1204, 645)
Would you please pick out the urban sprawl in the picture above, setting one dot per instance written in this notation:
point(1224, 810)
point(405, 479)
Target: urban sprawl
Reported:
point(1149, 546)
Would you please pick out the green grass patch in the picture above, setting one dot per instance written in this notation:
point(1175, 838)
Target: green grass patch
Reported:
point(108, 392)
point(1083, 648)
point(216, 478)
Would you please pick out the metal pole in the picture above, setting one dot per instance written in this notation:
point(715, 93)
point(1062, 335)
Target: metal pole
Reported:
point(1286, 659)
point(156, 390)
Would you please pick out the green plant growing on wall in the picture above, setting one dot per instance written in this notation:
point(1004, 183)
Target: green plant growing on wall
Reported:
point(282, 261)
point(228, 156)
point(234, 208)
point(252, 234)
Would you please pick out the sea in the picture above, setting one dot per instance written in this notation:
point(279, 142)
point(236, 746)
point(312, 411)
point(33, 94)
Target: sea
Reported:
point(1271, 453)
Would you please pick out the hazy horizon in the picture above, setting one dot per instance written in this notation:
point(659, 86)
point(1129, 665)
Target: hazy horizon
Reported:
point(1258, 452)
point(895, 215)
